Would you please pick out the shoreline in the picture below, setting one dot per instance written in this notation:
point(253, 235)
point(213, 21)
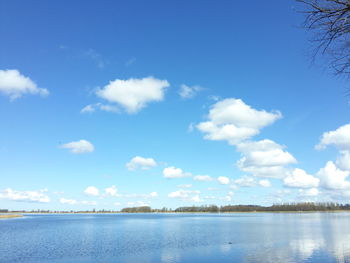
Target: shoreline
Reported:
point(5, 216)
point(173, 213)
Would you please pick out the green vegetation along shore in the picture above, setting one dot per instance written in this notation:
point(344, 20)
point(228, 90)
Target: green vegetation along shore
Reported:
point(287, 207)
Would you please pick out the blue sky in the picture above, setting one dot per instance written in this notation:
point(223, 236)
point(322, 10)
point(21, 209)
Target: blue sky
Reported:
point(176, 89)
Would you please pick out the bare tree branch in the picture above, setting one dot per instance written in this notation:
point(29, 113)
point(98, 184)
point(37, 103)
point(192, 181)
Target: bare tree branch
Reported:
point(330, 22)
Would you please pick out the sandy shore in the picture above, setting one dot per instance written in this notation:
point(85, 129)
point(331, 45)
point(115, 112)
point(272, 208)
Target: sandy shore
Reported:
point(10, 216)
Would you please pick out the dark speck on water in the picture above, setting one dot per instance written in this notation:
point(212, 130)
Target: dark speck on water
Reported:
point(174, 238)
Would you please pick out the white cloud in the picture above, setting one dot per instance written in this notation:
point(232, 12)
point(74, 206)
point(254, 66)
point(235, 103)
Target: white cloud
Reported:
point(264, 153)
point(92, 191)
point(333, 178)
point(78, 147)
point(309, 192)
point(173, 172)
point(300, 179)
point(343, 161)
point(264, 183)
point(247, 181)
point(264, 158)
point(184, 185)
point(68, 201)
point(153, 194)
point(188, 92)
point(223, 180)
point(203, 178)
point(196, 199)
point(112, 191)
point(76, 202)
point(184, 194)
point(134, 94)
point(234, 121)
point(339, 137)
point(39, 196)
point(138, 203)
point(227, 198)
point(88, 108)
point(15, 85)
point(117, 204)
point(99, 106)
point(179, 194)
point(141, 162)
point(145, 196)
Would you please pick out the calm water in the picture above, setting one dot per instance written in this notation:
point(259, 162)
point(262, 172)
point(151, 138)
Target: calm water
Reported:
point(260, 237)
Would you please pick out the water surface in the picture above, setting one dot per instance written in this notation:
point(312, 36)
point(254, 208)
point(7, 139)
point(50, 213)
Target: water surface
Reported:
point(172, 238)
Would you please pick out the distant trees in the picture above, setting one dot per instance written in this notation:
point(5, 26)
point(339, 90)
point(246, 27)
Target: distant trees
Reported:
point(330, 22)
point(198, 209)
point(140, 209)
point(286, 207)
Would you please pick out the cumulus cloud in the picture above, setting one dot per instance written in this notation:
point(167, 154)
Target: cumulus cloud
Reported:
point(333, 178)
point(339, 137)
point(134, 94)
point(234, 121)
point(203, 178)
point(15, 85)
point(39, 196)
point(139, 162)
point(112, 191)
point(247, 181)
point(188, 92)
point(343, 161)
point(79, 147)
point(187, 195)
point(300, 179)
point(92, 191)
point(223, 180)
point(173, 172)
point(264, 158)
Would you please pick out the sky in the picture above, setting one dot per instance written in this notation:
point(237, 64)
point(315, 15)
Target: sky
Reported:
point(114, 104)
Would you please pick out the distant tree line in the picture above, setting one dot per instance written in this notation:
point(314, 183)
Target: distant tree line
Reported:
point(285, 207)
point(140, 209)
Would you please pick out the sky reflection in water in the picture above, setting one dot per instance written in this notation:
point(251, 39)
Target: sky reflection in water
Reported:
point(167, 238)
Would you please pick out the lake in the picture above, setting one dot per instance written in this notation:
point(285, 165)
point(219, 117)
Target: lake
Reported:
point(171, 238)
